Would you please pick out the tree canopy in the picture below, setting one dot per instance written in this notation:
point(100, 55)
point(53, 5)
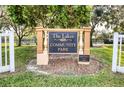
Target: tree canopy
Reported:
point(51, 16)
point(113, 15)
point(24, 18)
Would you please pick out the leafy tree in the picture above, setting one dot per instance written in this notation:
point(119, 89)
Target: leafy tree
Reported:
point(115, 18)
point(24, 18)
point(2, 16)
point(21, 20)
point(99, 14)
point(69, 16)
point(113, 15)
point(61, 16)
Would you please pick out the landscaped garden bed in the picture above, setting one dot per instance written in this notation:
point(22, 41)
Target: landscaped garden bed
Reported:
point(65, 65)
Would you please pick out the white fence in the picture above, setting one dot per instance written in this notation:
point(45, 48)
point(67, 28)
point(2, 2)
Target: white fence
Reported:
point(117, 53)
point(7, 52)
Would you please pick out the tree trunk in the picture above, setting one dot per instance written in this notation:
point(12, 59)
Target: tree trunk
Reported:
point(19, 41)
point(91, 42)
point(91, 34)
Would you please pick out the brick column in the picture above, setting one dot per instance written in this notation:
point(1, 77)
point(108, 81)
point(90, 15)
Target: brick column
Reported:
point(42, 57)
point(87, 31)
point(39, 40)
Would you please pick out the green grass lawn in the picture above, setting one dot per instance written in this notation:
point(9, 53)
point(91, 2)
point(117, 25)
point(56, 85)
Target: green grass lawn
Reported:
point(23, 78)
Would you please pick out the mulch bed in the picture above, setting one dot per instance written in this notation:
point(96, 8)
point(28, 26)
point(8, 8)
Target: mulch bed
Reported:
point(65, 65)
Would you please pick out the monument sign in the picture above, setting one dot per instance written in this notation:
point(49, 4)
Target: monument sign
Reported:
point(63, 41)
